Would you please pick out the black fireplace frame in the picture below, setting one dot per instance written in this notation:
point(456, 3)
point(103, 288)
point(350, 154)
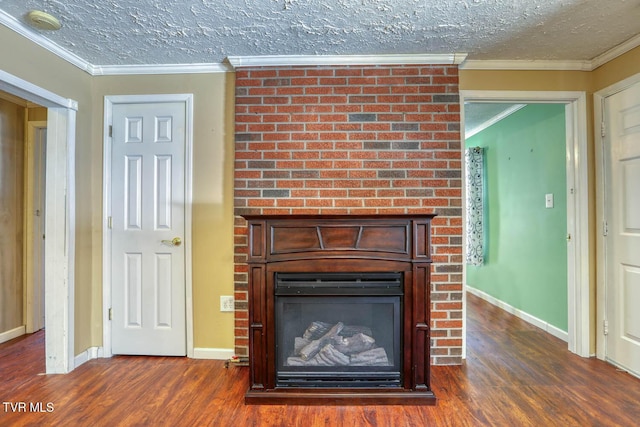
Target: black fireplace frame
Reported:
point(342, 243)
point(337, 293)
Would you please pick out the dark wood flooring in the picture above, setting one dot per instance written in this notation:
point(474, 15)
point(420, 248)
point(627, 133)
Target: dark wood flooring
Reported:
point(514, 375)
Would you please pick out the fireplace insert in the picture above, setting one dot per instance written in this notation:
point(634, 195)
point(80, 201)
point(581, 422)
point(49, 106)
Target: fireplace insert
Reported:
point(339, 309)
point(338, 329)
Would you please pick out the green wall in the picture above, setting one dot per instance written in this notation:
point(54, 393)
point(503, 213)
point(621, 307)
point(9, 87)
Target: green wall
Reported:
point(525, 243)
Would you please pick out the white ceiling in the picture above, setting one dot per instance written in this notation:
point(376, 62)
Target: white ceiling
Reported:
point(143, 32)
point(480, 115)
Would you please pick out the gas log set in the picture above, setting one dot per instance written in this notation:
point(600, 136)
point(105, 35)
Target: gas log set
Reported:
point(323, 344)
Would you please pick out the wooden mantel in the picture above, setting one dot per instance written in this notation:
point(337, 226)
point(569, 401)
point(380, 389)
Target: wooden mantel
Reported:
point(340, 243)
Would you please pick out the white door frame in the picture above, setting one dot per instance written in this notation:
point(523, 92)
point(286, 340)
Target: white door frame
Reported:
point(59, 263)
point(579, 297)
point(33, 293)
point(109, 101)
point(601, 283)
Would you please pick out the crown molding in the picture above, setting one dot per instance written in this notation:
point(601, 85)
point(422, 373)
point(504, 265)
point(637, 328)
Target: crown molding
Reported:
point(536, 65)
point(615, 52)
point(104, 70)
point(122, 70)
point(586, 65)
point(17, 26)
point(293, 60)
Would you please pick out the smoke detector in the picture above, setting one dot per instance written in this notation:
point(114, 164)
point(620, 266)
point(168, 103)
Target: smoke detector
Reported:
point(43, 20)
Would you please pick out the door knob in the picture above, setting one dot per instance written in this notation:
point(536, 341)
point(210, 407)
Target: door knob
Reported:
point(176, 241)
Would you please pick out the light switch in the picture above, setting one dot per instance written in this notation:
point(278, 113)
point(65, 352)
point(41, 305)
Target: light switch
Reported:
point(548, 200)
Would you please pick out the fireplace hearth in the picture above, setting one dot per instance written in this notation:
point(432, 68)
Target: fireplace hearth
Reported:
point(339, 309)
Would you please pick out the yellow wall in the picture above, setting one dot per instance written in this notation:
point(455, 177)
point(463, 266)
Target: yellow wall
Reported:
point(524, 80)
point(12, 137)
point(618, 69)
point(213, 160)
point(581, 81)
point(25, 60)
point(212, 187)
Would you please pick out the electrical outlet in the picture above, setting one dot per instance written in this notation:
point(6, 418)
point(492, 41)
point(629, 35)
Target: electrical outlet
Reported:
point(227, 303)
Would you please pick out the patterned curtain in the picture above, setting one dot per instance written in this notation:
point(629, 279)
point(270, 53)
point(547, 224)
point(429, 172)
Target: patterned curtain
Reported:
point(474, 178)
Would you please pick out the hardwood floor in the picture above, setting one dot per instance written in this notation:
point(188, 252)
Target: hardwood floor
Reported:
point(514, 375)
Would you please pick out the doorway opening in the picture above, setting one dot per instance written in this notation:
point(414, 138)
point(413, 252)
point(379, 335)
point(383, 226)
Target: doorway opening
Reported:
point(22, 160)
point(35, 208)
point(59, 218)
point(576, 233)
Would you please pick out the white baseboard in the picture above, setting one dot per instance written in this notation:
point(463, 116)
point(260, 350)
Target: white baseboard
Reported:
point(13, 333)
point(85, 356)
point(545, 326)
point(198, 353)
point(213, 353)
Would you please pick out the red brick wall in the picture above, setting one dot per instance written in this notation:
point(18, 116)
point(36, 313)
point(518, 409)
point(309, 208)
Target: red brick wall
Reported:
point(355, 139)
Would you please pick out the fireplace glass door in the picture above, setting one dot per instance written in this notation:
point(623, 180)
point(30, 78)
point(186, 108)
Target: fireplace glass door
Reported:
point(338, 330)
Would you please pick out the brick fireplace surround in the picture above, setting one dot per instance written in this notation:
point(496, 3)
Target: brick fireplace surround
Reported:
point(354, 140)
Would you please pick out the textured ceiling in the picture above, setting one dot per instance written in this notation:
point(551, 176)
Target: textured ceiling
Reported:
point(480, 115)
point(136, 32)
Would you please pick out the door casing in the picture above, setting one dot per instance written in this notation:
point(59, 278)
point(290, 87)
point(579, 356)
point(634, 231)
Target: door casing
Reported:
point(109, 101)
point(34, 243)
point(601, 283)
point(59, 263)
point(578, 251)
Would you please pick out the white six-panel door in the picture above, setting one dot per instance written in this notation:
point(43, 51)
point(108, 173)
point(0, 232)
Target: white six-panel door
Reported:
point(622, 214)
point(148, 229)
